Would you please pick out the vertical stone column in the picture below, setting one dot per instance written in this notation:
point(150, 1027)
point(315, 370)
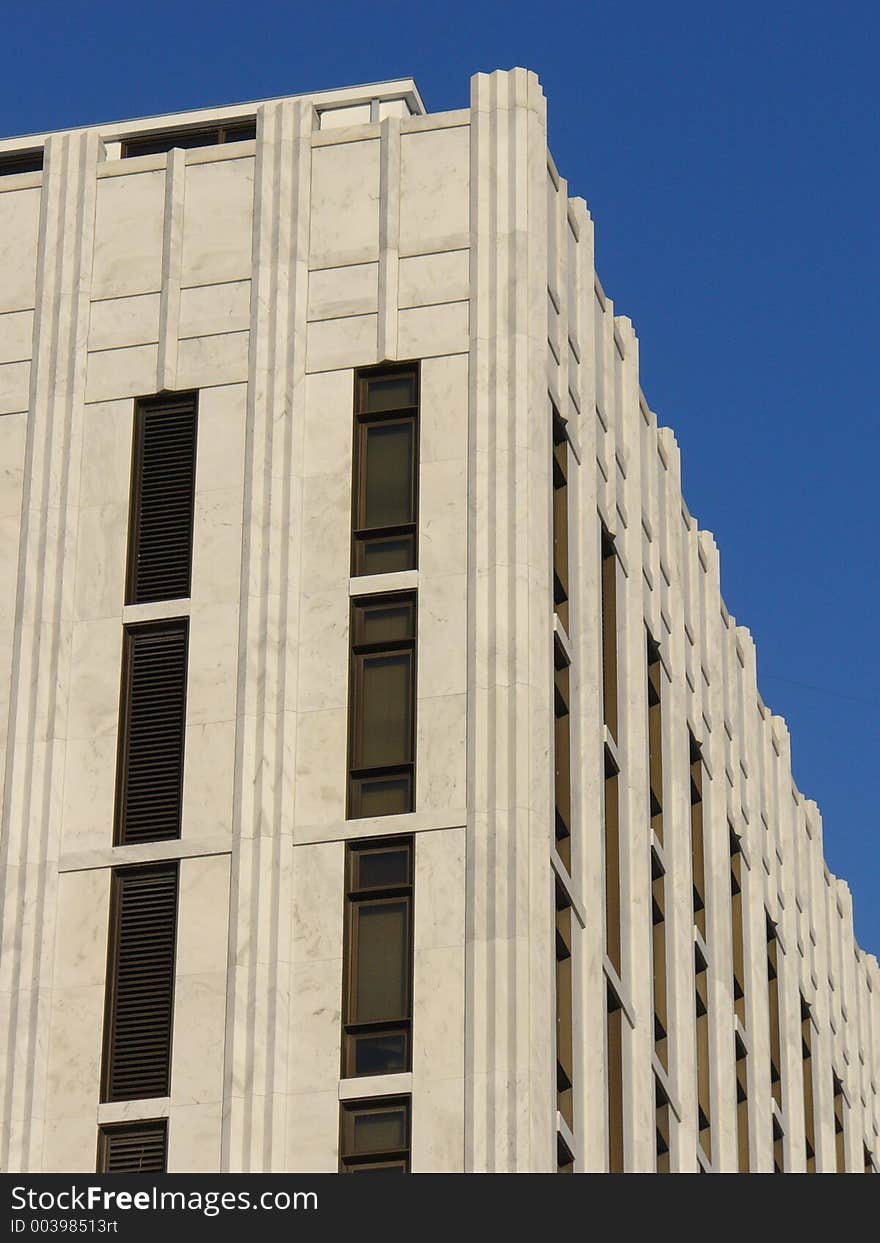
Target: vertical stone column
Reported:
point(44, 596)
point(509, 1078)
point(261, 903)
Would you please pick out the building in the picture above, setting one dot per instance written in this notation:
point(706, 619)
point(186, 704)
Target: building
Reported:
point(386, 782)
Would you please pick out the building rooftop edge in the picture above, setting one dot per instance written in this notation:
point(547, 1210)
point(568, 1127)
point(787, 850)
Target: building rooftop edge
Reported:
point(342, 95)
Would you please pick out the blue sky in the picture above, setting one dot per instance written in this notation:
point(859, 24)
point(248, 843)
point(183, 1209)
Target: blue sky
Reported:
point(729, 156)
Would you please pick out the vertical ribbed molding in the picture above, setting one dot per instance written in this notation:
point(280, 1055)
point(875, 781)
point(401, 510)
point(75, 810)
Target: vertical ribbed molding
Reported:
point(389, 235)
point(31, 816)
point(172, 250)
point(509, 1063)
point(261, 900)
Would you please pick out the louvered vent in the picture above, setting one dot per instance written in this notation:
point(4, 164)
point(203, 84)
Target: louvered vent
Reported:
point(150, 781)
point(140, 985)
point(133, 1148)
point(163, 486)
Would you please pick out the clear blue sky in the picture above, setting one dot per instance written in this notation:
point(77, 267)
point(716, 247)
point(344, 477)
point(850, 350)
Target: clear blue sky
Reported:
point(729, 156)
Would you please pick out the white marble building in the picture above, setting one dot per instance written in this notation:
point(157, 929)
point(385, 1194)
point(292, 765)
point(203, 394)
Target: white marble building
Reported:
point(262, 274)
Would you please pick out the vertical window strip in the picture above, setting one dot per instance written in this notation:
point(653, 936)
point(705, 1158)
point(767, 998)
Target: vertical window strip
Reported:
point(152, 729)
point(386, 457)
point(697, 843)
point(662, 1125)
point(382, 705)
point(614, 1044)
point(560, 520)
point(741, 1067)
point(661, 1005)
point(562, 757)
point(133, 1148)
point(773, 1000)
point(609, 633)
point(701, 966)
point(612, 865)
point(658, 878)
point(162, 499)
point(562, 796)
point(704, 1107)
point(378, 955)
point(839, 1126)
point(140, 982)
point(807, 1074)
point(564, 1041)
point(655, 738)
point(375, 1136)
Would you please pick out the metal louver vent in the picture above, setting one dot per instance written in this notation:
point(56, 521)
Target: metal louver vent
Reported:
point(151, 734)
point(163, 488)
point(140, 984)
point(133, 1148)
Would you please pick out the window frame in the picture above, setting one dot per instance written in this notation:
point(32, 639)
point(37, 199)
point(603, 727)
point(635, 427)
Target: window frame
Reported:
point(167, 404)
point(111, 987)
point(165, 141)
point(15, 163)
point(107, 1131)
point(357, 896)
point(130, 636)
point(363, 536)
point(360, 774)
point(350, 1161)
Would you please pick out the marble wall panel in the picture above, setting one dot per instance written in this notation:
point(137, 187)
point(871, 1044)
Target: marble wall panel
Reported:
point(425, 280)
point(218, 222)
point(16, 336)
point(117, 322)
point(208, 310)
point(19, 227)
point(434, 194)
point(129, 223)
point(345, 204)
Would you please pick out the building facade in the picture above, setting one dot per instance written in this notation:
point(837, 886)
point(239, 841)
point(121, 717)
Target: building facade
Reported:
point(386, 783)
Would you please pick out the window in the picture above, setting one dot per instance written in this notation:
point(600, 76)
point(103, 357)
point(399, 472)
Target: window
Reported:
point(560, 519)
point(382, 713)
point(609, 633)
point(701, 967)
point(162, 495)
point(658, 877)
point(739, 1004)
point(807, 1071)
point(736, 912)
point(839, 1126)
point(564, 1157)
point(140, 983)
point(655, 738)
point(562, 757)
point(377, 1005)
point(701, 999)
point(155, 144)
point(386, 454)
point(375, 1136)
point(658, 919)
point(20, 162)
point(697, 852)
point(151, 732)
point(661, 1113)
point(612, 864)
point(564, 1044)
point(742, 1106)
point(133, 1148)
point(773, 999)
point(614, 1044)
